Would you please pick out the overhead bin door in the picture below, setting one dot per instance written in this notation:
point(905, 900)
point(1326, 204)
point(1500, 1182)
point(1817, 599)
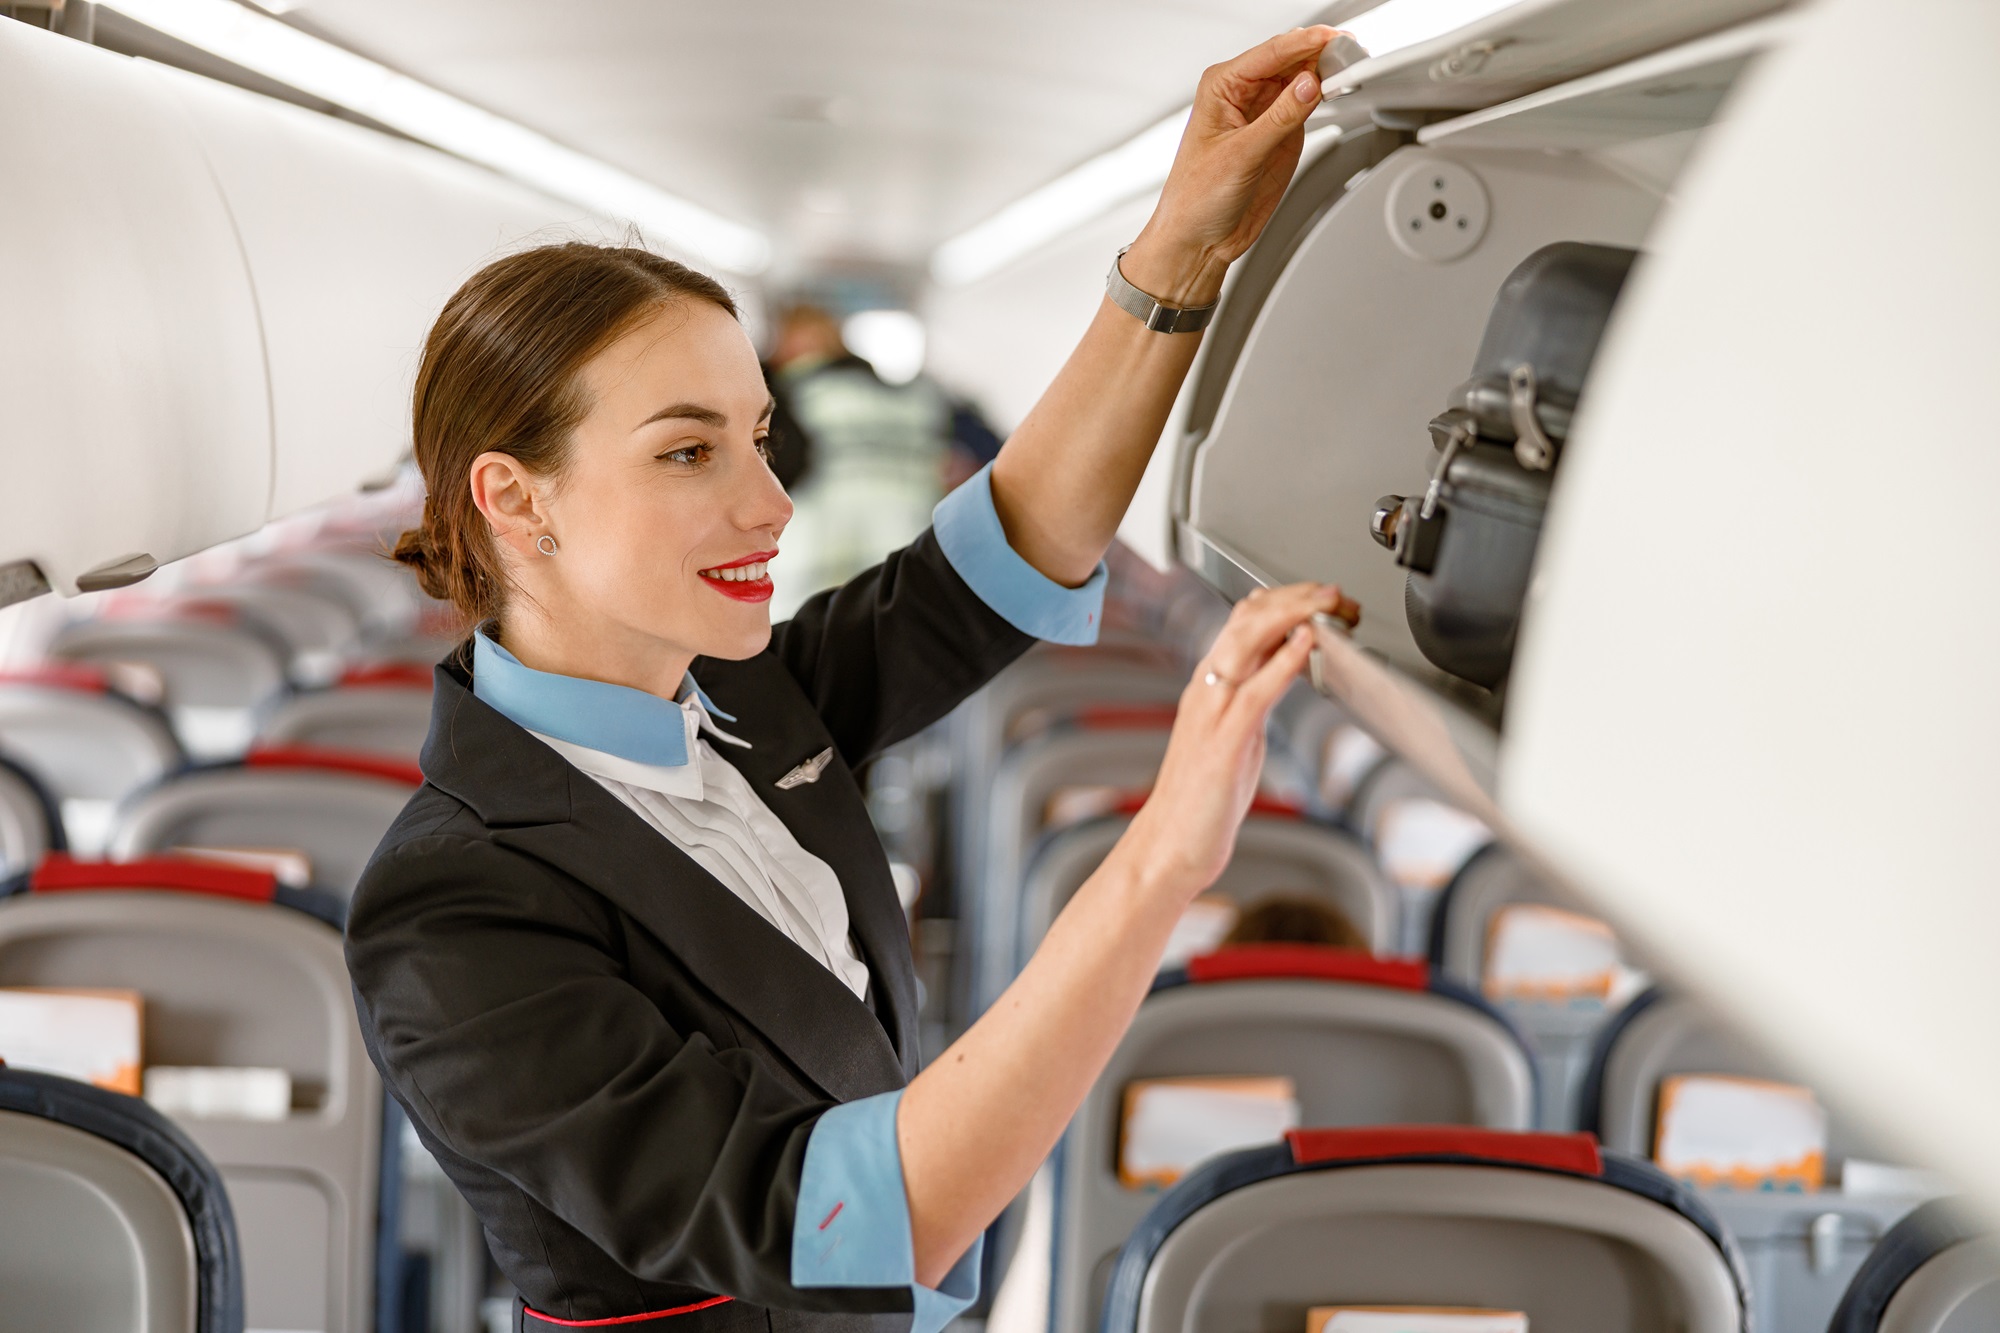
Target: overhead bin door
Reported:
point(134, 421)
point(354, 240)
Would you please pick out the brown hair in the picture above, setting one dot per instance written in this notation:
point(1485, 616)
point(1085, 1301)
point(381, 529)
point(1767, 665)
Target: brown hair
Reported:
point(499, 374)
point(1295, 919)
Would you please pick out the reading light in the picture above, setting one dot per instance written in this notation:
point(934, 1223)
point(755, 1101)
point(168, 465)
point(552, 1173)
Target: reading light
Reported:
point(1141, 163)
point(278, 51)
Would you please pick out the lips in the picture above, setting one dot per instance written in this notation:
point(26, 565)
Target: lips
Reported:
point(744, 580)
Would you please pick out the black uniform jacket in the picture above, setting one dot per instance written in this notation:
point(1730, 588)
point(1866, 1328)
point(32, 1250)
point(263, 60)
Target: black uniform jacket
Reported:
point(616, 1060)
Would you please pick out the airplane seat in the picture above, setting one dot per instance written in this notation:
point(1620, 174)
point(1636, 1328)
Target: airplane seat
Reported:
point(331, 805)
point(1801, 1244)
point(87, 743)
point(1030, 774)
point(1936, 1271)
point(1277, 852)
point(1578, 1240)
point(1562, 1026)
point(30, 824)
point(1420, 839)
point(1363, 1041)
point(316, 628)
point(384, 710)
point(111, 1219)
point(216, 667)
point(231, 977)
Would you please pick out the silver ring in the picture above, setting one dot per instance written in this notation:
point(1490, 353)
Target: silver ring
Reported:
point(545, 544)
point(1212, 679)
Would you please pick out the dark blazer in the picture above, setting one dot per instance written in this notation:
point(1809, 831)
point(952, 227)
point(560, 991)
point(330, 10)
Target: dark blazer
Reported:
point(616, 1060)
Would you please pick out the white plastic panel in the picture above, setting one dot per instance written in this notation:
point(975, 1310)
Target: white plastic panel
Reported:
point(133, 411)
point(1356, 349)
point(354, 241)
point(1754, 712)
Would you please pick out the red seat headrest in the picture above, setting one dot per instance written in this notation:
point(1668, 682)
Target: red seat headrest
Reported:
point(336, 761)
point(60, 872)
point(1263, 962)
point(1575, 1153)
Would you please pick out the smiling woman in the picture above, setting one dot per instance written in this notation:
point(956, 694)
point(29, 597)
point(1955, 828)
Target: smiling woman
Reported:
point(632, 958)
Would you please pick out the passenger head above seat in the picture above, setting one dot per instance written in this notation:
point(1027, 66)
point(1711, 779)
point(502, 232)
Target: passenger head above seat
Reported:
point(1290, 918)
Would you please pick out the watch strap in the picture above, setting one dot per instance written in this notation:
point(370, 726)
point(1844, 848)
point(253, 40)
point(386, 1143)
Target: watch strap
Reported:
point(1149, 310)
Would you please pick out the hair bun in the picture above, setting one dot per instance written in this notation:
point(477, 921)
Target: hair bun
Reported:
point(414, 549)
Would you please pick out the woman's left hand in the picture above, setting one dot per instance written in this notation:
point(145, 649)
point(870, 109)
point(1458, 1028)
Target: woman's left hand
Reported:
point(1243, 140)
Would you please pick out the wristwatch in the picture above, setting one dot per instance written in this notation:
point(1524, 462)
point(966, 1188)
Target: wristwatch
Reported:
point(1148, 310)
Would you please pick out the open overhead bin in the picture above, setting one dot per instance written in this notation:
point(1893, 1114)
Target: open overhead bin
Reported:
point(1312, 404)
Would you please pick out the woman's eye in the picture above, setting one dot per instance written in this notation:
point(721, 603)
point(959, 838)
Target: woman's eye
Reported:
point(690, 455)
point(764, 449)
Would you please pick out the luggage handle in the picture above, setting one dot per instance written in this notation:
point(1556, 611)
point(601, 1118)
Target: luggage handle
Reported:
point(1533, 449)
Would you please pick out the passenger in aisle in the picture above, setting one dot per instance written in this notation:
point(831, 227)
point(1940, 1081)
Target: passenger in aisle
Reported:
point(671, 1077)
point(1293, 918)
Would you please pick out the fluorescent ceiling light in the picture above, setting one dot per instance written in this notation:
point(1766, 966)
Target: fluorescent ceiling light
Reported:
point(892, 341)
point(281, 52)
point(1141, 163)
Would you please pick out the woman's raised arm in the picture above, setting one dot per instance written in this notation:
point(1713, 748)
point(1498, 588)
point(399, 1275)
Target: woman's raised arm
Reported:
point(1063, 480)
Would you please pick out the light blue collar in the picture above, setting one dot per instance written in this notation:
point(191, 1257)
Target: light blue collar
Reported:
point(616, 719)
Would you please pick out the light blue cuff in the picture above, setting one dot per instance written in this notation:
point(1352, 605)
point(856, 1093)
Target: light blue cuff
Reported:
point(853, 1222)
point(969, 530)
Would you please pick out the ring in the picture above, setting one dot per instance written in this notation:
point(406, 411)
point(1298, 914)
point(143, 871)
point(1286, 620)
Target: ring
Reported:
point(1212, 679)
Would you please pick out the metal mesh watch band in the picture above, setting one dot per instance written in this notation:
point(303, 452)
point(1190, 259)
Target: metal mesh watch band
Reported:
point(1148, 311)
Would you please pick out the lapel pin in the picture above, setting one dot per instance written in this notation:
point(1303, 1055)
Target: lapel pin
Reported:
point(807, 772)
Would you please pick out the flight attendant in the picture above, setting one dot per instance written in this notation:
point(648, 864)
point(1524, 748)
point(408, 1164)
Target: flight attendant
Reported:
point(631, 958)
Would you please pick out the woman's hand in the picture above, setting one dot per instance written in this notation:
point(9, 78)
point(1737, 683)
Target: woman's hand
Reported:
point(1243, 140)
point(1183, 836)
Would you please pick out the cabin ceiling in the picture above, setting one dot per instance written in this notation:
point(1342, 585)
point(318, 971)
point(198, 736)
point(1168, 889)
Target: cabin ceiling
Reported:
point(856, 133)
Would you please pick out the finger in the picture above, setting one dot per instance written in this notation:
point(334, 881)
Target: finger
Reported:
point(1260, 622)
point(1279, 56)
point(1286, 114)
point(1259, 694)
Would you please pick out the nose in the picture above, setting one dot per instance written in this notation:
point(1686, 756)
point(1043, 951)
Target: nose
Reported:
point(759, 501)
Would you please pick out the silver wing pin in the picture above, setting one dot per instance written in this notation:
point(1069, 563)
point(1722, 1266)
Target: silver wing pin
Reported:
point(809, 771)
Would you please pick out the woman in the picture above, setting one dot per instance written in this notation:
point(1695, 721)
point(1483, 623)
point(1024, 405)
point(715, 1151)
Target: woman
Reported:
point(631, 958)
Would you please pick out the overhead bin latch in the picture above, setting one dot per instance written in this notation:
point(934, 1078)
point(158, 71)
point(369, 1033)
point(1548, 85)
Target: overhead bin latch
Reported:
point(1533, 448)
point(119, 573)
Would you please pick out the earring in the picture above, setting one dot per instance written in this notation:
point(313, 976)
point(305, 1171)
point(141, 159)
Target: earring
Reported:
point(545, 544)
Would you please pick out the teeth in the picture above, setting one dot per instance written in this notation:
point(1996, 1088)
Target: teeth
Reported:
point(738, 574)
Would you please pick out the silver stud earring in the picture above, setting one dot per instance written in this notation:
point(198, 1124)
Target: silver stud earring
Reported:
point(545, 544)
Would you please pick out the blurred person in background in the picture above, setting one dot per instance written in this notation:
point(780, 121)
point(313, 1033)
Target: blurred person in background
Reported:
point(882, 454)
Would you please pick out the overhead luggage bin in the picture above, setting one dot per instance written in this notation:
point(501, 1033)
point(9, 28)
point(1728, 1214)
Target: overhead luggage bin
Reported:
point(89, 745)
point(110, 1218)
point(30, 826)
point(1362, 1040)
point(332, 806)
point(1578, 1241)
point(137, 415)
point(1800, 1247)
point(231, 979)
point(1936, 1271)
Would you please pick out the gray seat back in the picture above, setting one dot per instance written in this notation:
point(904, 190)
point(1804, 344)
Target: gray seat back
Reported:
point(316, 628)
point(89, 748)
point(1273, 855)
point(1357, 1054)
point(1027, 777)
point(335, 818)
point(28, 822)
point(90, 1236)
point(1937, 1271)
point(215, 674)
point(1801, 1249)
point(1577, 1255)
point(371, 720)
point(230, 983)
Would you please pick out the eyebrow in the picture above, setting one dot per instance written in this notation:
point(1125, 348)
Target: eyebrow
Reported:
point(707, 416)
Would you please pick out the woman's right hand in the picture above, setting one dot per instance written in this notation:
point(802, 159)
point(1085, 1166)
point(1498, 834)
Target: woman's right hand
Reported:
point(1183, 836)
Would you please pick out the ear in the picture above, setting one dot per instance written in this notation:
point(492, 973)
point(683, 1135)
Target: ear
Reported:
point(507, 494)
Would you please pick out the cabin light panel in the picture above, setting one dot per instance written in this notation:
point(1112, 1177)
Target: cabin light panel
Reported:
point(299, 60)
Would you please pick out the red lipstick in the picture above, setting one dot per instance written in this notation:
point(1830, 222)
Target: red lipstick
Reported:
point(743, 579)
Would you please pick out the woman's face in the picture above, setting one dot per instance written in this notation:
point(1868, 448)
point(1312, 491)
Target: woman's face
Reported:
point(667, 512)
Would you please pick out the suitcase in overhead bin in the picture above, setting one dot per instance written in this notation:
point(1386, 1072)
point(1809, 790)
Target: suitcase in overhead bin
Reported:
point(1469, 540)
